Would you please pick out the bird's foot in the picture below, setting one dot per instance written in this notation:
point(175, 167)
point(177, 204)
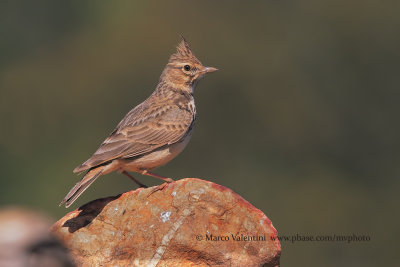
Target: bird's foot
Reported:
point(157, 188)
point(165, 179)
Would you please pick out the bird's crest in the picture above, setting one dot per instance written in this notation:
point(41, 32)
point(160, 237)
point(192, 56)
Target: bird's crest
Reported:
point(183, 53)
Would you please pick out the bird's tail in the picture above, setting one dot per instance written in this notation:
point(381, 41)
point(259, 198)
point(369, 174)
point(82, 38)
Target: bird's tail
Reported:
point(81, 186)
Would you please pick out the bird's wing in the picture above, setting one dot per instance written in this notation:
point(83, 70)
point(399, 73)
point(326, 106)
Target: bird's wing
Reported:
point(143, 130)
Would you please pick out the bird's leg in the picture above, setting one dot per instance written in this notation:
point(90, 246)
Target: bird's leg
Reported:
point(165, 179)
point(133, 179)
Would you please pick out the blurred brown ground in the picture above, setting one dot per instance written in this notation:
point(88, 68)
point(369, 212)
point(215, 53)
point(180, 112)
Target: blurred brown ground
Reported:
point(25, 240)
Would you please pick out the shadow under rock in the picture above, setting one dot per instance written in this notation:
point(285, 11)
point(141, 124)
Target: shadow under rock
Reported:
point(88, 213)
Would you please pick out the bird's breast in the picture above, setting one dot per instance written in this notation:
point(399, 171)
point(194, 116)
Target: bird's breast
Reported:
point(156, 158)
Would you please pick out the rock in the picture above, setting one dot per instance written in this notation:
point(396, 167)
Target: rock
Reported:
point(25, 240)
point(190, 222)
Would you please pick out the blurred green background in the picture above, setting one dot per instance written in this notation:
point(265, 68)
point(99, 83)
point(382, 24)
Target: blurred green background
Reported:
point(302, 119)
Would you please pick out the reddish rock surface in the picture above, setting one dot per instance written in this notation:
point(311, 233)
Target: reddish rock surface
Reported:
point(190, 222)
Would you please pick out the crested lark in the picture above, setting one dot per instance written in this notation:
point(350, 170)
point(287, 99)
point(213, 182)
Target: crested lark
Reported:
point(152, 133)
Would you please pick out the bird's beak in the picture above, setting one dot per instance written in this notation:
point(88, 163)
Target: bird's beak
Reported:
point(209, 69)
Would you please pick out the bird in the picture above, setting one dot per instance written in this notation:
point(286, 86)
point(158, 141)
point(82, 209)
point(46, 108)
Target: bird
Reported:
point(152, 133)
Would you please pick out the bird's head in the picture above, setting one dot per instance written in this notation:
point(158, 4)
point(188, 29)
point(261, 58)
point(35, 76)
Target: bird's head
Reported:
point(184, 69)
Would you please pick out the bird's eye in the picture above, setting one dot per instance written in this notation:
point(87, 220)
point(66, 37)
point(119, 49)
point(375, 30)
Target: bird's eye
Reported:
point(186, 67)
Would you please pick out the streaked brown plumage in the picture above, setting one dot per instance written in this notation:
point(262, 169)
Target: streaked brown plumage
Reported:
point(152, 133)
